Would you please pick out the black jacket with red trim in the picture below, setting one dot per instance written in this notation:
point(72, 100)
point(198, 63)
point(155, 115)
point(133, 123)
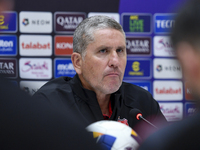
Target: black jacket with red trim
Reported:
point(68, 93)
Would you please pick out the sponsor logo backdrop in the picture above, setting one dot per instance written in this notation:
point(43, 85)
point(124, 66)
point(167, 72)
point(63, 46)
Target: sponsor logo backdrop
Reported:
point(36, 46)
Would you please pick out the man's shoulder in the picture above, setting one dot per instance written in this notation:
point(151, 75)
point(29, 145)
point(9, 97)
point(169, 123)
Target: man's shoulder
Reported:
point(135, 94)
point(55, 84)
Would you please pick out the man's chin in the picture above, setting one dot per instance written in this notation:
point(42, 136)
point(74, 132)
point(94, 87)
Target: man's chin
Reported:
point(113, 87)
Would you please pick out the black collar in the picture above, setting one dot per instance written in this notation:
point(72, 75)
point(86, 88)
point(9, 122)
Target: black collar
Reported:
point(90, 96)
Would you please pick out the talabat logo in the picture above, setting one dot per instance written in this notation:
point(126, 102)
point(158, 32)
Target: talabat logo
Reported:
point(31, 86)
point(64, 67)
point(167, 68)
point(35, 68)
point(136, 23)
point(138, 45)
point(163, 23)
point(137, 68)
point(8, 22)
point(168, 90)
point(8, 67)
point(63, 45)
point(163, 46)
point(35, 45)
point(172, 111)
point(8, 45)
point(114, 16)
point(35, 22)
point(66, 22)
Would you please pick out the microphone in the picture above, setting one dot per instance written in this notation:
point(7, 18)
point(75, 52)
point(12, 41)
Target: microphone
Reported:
point(136, 113)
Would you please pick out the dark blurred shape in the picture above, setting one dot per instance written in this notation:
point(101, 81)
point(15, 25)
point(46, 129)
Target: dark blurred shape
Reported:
point(68, 5)
point(6, 5)
point(182, 135)
point(32, 124)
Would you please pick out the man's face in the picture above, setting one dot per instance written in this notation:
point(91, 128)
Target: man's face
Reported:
point(103, 66)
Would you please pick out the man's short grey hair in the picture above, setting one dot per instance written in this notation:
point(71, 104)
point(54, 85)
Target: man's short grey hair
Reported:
point(83, 34)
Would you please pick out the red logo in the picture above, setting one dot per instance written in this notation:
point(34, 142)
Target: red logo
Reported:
point(35, 45)
point(168, 91)
point(63, 45)
point(188, 92)
point(124, 121)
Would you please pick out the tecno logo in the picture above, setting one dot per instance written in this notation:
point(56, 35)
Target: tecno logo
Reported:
point(167, 68)
point(63, 45)
point(168, 90)
point(67, 22)
point(35, 22)
point(35, 45)
point(163, 23)
point(163, 46)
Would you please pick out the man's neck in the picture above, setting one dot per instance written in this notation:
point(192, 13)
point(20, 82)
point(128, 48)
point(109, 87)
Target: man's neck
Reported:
point(103, 101)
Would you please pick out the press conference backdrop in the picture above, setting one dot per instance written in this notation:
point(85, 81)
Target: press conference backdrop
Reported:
point(36, 46)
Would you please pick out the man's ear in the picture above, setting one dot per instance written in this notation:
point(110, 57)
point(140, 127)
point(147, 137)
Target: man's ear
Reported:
point(77, 62)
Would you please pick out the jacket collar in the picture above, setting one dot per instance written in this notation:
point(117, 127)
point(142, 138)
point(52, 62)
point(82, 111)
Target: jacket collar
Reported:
point(90, 97)
point(85, 94)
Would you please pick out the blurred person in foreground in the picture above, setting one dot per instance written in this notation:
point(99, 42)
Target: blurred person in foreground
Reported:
point(97, 92)
point(27, 124)
point(30, 124)
point(185, 37)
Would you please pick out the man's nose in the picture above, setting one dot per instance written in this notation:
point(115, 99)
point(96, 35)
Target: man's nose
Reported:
point(113, 59)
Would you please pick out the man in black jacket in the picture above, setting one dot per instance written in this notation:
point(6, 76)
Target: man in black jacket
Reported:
point(97, 92)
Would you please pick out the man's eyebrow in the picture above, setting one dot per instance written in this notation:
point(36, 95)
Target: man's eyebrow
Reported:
point(108, 47)
point(103, 47)
point(121, 47)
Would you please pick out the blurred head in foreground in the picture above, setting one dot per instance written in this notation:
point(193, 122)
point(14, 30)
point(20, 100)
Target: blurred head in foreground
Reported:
point(6, 5)
point(186, 41)
point(185, 37)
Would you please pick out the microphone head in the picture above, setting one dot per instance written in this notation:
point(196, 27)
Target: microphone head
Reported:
point(135, 113)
